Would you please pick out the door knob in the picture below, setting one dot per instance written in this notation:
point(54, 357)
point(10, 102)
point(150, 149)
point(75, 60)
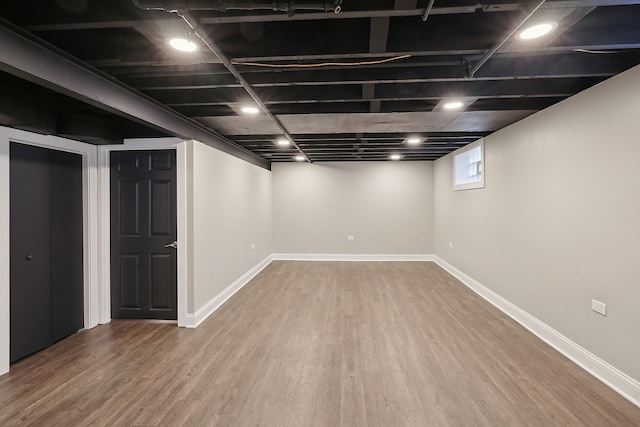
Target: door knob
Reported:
point(28, 257)
point(173, 245)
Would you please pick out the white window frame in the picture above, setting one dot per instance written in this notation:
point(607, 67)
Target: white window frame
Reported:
point(458, 156)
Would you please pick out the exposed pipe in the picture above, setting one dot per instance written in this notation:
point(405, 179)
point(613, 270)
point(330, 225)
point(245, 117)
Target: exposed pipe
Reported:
point(498, 45)
point(24, 56)
point(288, 6)
point(202, 35)
point(427, 11)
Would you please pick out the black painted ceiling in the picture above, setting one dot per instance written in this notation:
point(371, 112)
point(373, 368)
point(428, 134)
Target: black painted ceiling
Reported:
point(389, 67)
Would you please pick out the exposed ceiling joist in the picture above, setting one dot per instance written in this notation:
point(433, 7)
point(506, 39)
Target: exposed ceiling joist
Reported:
point(32, 61)
point(344, 14)
point(390, 72)
point(210, 44)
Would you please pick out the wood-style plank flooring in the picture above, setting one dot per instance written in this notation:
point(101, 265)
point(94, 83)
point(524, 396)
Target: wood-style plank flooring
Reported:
point(316, 344)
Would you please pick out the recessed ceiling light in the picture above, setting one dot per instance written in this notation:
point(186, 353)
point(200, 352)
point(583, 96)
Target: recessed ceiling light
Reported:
point(300, 158)
point(250, 110)
point(538, 30)
point(452, 105)
point(183, 45)
point(283, 141)
point(395, 156)
point(414, 140)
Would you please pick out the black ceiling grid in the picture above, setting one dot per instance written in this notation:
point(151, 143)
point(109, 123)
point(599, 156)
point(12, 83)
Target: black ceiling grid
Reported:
point(352, 85)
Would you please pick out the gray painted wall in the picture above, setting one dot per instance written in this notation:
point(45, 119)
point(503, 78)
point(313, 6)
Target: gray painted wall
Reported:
point(386, 206)
point(231, 211)
point(557, 223)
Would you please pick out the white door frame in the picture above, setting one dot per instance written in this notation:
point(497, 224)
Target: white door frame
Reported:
point(91, 262)
point(104, 206)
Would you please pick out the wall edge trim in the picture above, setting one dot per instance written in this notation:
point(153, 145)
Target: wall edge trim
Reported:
point(352, 257)
point(615, 379)
point(195, 319)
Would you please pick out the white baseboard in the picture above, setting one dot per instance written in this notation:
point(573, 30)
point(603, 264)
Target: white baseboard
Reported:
point(193, 320)
point(609, 375)
point(353, 257)
point(623, 384)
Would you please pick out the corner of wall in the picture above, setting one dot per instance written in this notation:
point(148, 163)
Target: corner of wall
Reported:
point(544, 237)
point(230, 229)
point(195, 319)
point(184, 160)
point(623, 384)
point(5, 336)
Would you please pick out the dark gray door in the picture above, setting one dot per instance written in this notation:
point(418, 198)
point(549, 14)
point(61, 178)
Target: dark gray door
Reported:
point(143, 224)
point(46, 301)
point(67, 296)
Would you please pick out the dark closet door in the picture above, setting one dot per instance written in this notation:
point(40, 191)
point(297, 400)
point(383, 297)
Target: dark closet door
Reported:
point(46, 247)
point(67, 305)
point(143, 224)
point(30, 248)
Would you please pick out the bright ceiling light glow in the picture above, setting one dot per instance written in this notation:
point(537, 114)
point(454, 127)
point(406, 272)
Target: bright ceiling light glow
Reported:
point(538, 30)
point(395, 156)
point(300, 158)
point(452, 105)
point(414, 140)
point(250, 110)
point(283, 142)
point(183, 45)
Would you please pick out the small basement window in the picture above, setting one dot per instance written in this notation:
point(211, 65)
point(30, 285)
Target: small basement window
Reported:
point(468, 170)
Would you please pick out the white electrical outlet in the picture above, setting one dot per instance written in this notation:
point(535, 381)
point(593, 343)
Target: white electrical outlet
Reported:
point(450, 244)
point(350, 238)
point(253, 246)
point(599, 307)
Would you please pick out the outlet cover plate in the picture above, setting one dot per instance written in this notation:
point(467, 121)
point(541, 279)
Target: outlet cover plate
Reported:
point(599, 307)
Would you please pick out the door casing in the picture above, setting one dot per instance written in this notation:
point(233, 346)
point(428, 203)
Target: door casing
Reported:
point(47, 286)
point(104, 154)
point(91, 260)
point(96, 220)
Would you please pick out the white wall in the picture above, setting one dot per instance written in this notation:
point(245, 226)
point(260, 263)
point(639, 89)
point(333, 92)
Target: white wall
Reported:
point(231, 211)
point(557, 223)
point(386, 206)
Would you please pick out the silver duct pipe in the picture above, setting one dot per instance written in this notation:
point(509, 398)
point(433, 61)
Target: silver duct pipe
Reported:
point(427, 11)
point(288, 6)
point(202, 35)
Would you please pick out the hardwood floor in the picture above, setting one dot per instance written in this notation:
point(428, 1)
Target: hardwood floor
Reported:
point(316, 343)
